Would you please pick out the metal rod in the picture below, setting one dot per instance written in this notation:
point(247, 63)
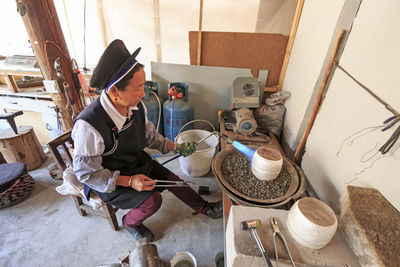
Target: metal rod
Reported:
point(261, 248)
point(171, 159)
point(202, 140)
point(387, 106)
point(176, 182)
point(172, 185)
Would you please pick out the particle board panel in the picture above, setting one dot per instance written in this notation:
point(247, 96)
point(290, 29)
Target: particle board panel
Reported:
point(257, 51)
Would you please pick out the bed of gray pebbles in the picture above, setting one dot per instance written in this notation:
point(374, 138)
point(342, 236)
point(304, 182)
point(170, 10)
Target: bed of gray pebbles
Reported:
point(236, 171)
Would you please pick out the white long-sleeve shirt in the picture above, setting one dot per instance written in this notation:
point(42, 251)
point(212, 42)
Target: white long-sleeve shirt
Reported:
point(89, 147)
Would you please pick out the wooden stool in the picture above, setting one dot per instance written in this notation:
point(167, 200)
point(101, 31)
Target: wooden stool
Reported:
point(66, 142)
point(22, 147)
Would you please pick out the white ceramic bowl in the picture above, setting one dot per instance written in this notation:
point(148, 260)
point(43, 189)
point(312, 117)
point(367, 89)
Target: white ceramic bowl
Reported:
point(266, 164)
point(312, 223)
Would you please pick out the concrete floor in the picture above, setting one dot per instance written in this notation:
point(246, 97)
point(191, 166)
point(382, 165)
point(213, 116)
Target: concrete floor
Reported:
point(46, 229)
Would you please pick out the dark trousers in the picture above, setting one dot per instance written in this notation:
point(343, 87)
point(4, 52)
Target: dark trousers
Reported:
point(145, 203)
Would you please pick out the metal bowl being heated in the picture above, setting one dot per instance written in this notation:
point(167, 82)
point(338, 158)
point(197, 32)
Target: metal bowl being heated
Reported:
point(244, 199)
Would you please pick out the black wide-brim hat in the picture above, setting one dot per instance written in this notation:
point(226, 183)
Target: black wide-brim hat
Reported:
point(113, 65)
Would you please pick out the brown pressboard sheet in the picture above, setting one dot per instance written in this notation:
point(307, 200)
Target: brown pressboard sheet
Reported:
point(256, 51)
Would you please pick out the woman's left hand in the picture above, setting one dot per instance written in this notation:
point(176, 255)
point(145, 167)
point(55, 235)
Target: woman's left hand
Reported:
point(170, 146)
point(185, 149)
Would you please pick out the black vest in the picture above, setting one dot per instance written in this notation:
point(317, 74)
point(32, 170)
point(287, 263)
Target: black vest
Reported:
point(123, 148)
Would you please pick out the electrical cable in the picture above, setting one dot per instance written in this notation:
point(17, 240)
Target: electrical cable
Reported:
point(55, 36)
point(47, 57)
point(84, 38)
point(172, 112)
point(159, 111)
point(69, 28)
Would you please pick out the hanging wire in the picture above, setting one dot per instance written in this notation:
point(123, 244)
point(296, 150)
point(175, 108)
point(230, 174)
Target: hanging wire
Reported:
point(387, 106)
point(46, 43)
point(362, 171)
point(361, 132)
point(84, 38)
point(362, 160)
point(69, 28)
point(50, 20)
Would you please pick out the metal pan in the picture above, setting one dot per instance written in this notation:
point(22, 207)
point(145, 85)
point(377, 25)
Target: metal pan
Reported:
point(294, 183)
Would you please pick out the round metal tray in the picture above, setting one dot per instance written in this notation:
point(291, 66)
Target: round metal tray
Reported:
point(246, 202)
point(294, 182)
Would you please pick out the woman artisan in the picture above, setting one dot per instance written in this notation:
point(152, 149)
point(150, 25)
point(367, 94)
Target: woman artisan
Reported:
point(109, 137)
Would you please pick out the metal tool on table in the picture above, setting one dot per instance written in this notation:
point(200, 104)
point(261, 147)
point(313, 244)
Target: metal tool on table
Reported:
point(390, 122)
point(275, 228)
point(252, 225)
point(174, 183)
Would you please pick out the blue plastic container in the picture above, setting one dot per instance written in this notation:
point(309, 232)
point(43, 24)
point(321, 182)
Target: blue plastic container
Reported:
point(179, 112)
point(151, 103)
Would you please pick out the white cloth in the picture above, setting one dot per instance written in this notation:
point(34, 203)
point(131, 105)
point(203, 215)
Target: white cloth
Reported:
point(71, 186)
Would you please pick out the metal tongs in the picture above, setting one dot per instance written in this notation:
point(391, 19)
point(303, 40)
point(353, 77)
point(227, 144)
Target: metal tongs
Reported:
point(274, 224)
point(174, 183)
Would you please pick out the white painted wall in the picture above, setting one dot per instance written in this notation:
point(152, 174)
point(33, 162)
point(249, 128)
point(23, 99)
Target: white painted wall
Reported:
point(134, 23)
point(14, 40)
point(335, 157)
point(318, 20)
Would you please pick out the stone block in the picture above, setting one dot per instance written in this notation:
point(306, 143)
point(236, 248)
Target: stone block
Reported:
point(371, 225)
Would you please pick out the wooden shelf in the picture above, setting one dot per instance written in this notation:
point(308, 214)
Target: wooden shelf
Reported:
point(272, 89)
point(32, 92)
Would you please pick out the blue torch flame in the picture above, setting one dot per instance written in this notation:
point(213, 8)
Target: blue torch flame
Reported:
point(245, 150)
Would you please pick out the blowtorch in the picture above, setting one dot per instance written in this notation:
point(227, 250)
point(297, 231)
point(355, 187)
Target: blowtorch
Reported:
point(265, 163)
point(245, 150)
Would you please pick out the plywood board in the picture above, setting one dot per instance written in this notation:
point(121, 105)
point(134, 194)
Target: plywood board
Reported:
point(210, 88)
point(257, 51)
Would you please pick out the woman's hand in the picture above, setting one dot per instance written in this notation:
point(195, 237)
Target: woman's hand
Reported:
point(141, 182)
point(170, 146)
point(185, 149)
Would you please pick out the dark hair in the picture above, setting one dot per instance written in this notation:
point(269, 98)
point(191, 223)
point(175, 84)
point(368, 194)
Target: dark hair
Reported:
point(124, 82)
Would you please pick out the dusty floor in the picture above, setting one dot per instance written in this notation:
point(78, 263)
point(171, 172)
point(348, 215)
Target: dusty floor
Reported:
point(46, 229)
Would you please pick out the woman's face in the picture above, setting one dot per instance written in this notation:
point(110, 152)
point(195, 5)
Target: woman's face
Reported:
point(134, 91)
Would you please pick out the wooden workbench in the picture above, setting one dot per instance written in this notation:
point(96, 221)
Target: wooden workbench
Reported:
point(258, 141)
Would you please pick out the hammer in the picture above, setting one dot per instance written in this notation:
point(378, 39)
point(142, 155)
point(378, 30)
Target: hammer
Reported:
point(252, 225)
